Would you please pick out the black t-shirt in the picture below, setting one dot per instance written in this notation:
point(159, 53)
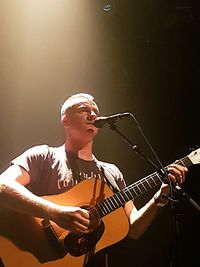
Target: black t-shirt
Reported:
point(52, 171)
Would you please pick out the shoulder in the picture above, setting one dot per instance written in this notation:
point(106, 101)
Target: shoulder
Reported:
point(114, 171)
point(37, 157)
point(112, 168)
point(39, 148)
point(37, 152)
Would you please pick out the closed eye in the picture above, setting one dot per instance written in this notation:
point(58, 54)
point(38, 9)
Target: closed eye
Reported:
point(88, 110)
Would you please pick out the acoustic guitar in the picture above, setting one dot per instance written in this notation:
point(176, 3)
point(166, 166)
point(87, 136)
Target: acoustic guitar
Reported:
point(30, 241)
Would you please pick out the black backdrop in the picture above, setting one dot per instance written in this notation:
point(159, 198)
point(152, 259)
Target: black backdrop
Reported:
point(146, 62)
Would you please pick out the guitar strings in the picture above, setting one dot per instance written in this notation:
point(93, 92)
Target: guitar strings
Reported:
point(97, 209)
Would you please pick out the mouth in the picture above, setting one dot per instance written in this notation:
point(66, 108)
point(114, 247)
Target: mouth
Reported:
point(91, 123)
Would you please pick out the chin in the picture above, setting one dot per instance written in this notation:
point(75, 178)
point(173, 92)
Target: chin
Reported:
point(92, 131)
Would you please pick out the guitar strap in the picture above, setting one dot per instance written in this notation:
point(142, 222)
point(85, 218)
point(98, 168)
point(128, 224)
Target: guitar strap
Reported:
point(109, 178)
point(1, 263)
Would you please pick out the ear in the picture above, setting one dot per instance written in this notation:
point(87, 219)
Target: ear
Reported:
point(64, 120)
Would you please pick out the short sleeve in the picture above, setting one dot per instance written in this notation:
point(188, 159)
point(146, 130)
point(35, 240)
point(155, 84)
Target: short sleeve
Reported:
point(32, 160)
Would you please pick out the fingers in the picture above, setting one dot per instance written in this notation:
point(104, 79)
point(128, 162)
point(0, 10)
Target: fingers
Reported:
point(81, 221)
point(72, 218)
point(87, 221)
point(83, 218)
point(79, 228)
point(76, 219)
point(176, 173)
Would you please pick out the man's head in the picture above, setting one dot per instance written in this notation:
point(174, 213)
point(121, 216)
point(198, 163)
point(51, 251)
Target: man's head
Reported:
point(75, 100)
point(77, 116)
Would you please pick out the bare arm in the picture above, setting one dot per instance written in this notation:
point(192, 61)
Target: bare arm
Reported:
point(14, 195)
point(141, 219)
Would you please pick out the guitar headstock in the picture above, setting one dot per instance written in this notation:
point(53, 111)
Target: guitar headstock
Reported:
point(194, 156)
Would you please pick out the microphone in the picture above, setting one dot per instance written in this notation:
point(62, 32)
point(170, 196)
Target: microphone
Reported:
point(102, 121)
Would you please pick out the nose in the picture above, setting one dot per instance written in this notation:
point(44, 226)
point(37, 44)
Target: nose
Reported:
point(92, 115)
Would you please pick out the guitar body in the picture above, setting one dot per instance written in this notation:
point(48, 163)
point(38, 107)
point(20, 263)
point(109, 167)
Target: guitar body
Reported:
point(23, 241)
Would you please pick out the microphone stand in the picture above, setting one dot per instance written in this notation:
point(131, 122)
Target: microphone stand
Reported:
point(175, 260)
point(177, 189)
point(138, 151)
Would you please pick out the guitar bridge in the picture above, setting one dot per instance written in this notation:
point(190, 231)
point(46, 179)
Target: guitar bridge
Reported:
point(78, 245)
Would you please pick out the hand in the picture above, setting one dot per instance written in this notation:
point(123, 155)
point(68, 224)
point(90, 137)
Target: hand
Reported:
point(176, 174)
point(74, 219)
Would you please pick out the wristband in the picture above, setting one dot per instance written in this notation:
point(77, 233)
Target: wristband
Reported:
point(158, 202)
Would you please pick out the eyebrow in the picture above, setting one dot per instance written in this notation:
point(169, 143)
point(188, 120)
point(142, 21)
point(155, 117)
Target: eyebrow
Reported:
point(84, 106)
point(89, 107)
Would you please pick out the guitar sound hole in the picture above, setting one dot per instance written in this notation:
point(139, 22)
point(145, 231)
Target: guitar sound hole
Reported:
point(78, 245)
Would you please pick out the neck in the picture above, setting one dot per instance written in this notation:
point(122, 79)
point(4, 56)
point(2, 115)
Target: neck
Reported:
point(81, 150)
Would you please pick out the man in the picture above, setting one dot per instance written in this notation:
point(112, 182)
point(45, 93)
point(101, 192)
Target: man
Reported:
point(44, 170)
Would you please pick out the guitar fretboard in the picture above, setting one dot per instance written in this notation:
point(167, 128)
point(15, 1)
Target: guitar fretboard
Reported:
point(133, 191)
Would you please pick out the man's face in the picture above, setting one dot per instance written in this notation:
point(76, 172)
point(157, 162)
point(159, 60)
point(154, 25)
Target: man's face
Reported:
point(80, 119)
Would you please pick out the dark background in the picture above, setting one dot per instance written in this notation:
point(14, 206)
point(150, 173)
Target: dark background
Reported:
point(137, 56)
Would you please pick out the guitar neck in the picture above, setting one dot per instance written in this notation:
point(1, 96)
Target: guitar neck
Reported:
point(134, 190)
